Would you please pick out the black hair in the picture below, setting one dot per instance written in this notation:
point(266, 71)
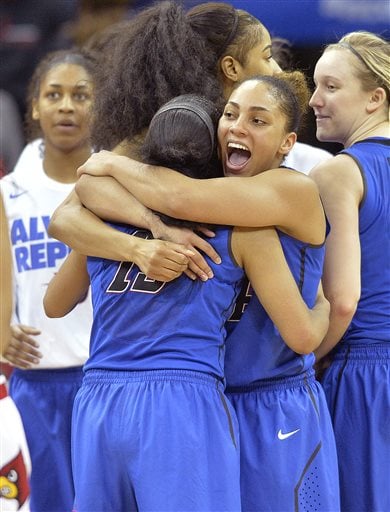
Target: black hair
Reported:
point(50, 61)
point(291, 93)
point(156, 57)
point(182, 135)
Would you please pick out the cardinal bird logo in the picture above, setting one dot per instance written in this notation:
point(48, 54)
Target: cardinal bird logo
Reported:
point(14, 481)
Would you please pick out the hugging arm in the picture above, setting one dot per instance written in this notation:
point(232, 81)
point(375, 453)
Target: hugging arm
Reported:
point(286, 197)
point(261, 255)
point(68, 287)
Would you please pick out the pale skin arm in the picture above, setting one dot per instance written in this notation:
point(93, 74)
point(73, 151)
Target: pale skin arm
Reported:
point(260, 253)
point(68, 287)
point(341, 189)
point(287, 198)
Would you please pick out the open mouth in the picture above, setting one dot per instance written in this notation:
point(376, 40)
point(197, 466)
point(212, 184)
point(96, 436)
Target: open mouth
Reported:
point(237, 155)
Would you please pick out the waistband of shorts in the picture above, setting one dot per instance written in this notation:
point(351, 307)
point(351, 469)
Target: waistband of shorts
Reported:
point(136, 376)
point(47, 375)
point(373, 352)
point(295, 381)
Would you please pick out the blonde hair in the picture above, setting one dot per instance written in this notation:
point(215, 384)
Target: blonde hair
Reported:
point(373, 54)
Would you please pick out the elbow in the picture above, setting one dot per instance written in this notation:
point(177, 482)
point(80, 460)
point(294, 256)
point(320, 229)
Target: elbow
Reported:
point(50, 311)
point(344, 308)
point(306, 339)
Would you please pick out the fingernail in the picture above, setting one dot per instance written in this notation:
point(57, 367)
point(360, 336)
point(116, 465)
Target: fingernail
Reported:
point(204, 277)
point(210, 274)
point(218, 260)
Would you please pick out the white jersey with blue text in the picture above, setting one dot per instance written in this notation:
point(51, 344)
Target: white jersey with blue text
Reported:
point(30, 198)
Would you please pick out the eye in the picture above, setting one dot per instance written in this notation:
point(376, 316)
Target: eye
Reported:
point(258, 121)
point(228, 114)
point(13, 476)
point(53, 95)
point(81, 96)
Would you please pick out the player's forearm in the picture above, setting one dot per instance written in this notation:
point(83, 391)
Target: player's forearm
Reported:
point(84, 232)
point(109, 200)
point(339, 322)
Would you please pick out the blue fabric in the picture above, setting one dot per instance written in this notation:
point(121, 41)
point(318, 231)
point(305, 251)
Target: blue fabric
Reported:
point(255, 349)
point(141, 324)
point(371, 322)
point(357, 387)
point(288, 452)
point(45, 402)
point(154, 441)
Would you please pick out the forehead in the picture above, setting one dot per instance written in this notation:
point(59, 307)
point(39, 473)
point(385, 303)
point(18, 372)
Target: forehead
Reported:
point(253, 94)
point(66, 74)
point(335, 63)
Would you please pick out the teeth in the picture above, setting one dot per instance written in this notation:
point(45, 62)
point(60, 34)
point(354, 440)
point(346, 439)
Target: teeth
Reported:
point(235, 145)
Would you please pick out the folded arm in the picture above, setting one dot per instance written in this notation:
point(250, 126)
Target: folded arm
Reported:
point(287, 198)
point(261, 255)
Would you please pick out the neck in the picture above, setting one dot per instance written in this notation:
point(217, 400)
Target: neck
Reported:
point(381, 129)
point(61, 165)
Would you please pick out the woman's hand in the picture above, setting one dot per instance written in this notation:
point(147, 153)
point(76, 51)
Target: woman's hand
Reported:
point(22, 350)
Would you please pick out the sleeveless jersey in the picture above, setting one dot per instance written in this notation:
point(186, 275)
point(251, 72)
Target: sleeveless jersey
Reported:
point(255, 349)
point(141, 324)
point(371, 322)
point(30, 198)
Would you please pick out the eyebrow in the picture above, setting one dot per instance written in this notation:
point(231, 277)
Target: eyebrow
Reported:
point(77, 86)
point(251, 109)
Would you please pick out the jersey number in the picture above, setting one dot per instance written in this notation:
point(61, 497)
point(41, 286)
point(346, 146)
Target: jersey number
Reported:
point(141, 283)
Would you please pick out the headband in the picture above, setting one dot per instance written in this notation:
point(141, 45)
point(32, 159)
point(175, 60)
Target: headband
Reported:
point(196, 110)
point(346, 45)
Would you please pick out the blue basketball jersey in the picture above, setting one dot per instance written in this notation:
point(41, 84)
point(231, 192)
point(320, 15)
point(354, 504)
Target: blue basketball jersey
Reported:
point(142, 324)
point(255, 349)
point(371, 322)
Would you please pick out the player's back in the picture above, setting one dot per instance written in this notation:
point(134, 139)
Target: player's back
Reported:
point(141, 324)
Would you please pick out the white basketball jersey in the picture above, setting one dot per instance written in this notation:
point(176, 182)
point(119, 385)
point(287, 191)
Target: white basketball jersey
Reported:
point(30, 198)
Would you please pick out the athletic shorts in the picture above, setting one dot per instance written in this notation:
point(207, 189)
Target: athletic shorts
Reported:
point(159, 440)
point(288, 453)
point(357, 386)
point(45, 401)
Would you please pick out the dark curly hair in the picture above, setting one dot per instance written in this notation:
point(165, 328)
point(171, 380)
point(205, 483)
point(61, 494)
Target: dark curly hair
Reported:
point(50, 61)
point(157, 56)
point(161, 53)
point(183, 135)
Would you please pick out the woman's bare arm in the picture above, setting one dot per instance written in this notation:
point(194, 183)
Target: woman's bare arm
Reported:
point(341, 187)
point(68, 287)
point(158, 259)
point(279, 197)
point(261, 255)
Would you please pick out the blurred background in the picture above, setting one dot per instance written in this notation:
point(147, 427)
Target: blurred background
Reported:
point(31, 28)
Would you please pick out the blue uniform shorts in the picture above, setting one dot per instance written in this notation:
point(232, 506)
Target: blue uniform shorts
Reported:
point(357, 387)
point(45, 401)
point(288, 452)
point(159, 440)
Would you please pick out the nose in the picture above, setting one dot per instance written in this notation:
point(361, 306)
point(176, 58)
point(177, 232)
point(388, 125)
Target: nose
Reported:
point(315, 99)
point(66, 104)
point(275, 67)
point(237, 126)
